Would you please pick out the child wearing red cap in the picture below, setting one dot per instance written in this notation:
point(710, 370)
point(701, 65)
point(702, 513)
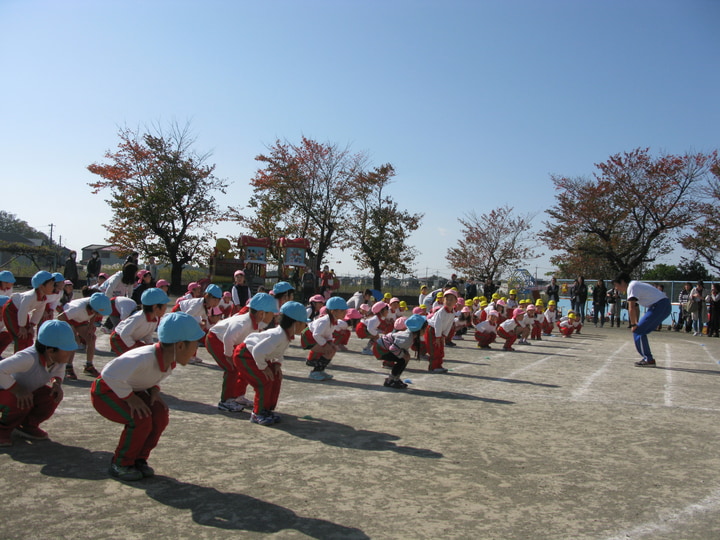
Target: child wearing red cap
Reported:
point(370, 326)
point(440, 325)
point(510, 328)
point(486, 331)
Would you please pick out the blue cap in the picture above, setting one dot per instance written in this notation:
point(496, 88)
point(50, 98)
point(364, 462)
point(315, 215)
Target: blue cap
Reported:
point(100, 303)
point(281, 287)
point(3, 300)
point(41, 277)
point(295, 310)
point(7, 276)
point(179, 326)
point(415, 322)
point(58, 334)
point(264, 302)
point(153, 296)
point(58, 277)
point(214, 290)
point(336, 303)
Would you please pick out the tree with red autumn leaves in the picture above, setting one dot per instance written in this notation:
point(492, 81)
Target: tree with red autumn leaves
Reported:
point(631, 211)
point(492, 243)
point(303, 191)
point(161, 194)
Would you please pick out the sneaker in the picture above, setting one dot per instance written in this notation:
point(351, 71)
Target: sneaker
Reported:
point(645, 363)
point(459, 338)
point(320, 376)
point(696, 333)
point(394, 383)
point(230, 406)
point(484, 346)
point(450, 344)
point(342, 348)
point(509, 349)
point(195, 361)
point(90, 370)
point(262, 419)
point(105, 330)
point(33, 433)
point(367, 351)
point(276, 417)
point(439, 370)
point(70, 373)
point(146, 470)
point(5, 439)
point(245, 402)
point(129, 473)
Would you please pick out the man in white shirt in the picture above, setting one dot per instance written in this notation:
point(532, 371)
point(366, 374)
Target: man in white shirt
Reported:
point(657, 306)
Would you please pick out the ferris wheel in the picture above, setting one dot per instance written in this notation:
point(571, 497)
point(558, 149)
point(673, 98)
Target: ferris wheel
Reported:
point(521, 280)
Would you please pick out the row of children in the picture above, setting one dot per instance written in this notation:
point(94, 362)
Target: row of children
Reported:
point(127, 391)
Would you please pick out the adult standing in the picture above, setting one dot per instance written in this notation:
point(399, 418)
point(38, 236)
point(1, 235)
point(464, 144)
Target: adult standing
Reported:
point(578, 297)
point(657, 309)
point(713, 299)
point(71, 271)
point(684, 317)
point(698, 310)
point(309, 284)
point(553, 290)
point(471, 289)
point(151, 267)
point(94, 266)
point(489, 288)
point(599, 299)
point(453, 283)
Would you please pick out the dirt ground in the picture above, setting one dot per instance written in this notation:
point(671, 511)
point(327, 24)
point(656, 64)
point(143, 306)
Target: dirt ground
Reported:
point(564, 438)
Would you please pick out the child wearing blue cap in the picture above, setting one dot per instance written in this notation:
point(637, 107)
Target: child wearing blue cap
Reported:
point(319, 338)
point(53, 299)
point(7, 280)
point(394, 348)
point(25, 310)
point(138, 329)
point(201, 309)
point(260, 358)
point(227, 334)
point(84, 315)
point(26, 400)
point(128, 392)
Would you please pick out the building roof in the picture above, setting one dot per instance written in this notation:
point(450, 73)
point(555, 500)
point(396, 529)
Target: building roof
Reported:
point(15, 237)
point(101, 247)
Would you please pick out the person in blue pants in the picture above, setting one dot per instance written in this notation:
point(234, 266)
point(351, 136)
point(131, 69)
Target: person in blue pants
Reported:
point(657, 309)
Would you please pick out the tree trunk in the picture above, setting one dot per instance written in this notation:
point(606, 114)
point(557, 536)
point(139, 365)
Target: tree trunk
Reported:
point(377, 277)
point(176, 278)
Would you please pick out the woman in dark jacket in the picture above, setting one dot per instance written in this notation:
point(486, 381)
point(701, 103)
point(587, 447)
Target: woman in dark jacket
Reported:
point(599, 300)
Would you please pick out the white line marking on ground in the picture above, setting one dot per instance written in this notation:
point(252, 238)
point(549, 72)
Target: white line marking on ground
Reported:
point(582, 390)
point(518, 371)
point(668, 377)
point(672, 520)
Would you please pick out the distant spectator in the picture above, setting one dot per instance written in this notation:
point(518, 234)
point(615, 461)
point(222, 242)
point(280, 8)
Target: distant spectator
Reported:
point(553, 290)
point(94, 267)
point(698, 312)
point(714, 300)
point(151, 267)
point(132, 258)
point(71, 271)
point(309, 284)
point(599, 299)
point(452, 282)
point(489, 288)
point(578, 297)
point(684, 317)
point(471, 288)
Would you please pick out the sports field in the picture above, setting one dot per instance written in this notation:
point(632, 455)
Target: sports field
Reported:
point(563, 438)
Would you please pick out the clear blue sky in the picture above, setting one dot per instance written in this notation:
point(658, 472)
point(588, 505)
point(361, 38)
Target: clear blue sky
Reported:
point(475, 103)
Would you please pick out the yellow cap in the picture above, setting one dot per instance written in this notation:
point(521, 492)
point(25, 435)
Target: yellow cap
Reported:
point(552, 303)
point(512, 291)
